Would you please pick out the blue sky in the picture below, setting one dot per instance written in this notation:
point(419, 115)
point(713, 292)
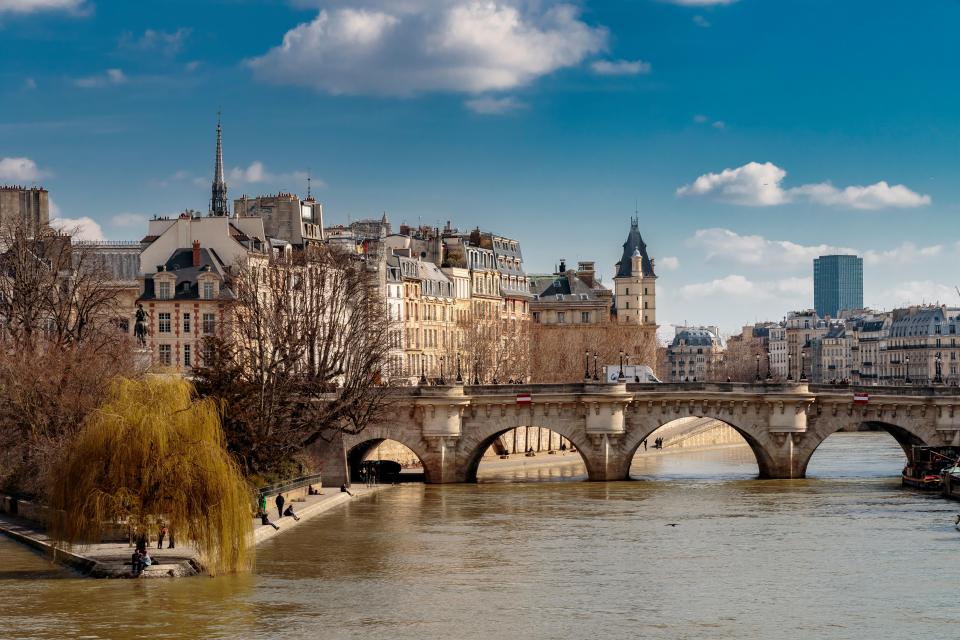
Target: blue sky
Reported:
point(751, 135)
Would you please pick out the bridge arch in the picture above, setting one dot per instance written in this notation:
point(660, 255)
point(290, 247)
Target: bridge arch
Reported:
point(357, 447)
point(907, 434)
point(472, 447)
point(754, 434)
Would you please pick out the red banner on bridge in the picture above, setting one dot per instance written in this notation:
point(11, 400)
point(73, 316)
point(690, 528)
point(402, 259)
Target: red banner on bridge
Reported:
point(524, 398)
point(861, 398)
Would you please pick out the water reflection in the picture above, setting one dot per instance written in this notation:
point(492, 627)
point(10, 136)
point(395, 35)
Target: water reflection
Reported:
point(845, 554)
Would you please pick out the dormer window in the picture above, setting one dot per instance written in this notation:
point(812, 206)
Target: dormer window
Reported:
point(163, 290)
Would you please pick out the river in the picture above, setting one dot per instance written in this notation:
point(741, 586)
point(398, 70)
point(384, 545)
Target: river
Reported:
point(846, 553)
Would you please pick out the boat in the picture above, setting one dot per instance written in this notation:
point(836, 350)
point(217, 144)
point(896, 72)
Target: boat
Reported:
point(950, 481)
point(925, 467)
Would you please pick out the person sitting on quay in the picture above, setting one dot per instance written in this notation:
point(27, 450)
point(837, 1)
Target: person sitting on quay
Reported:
point(289, 512)
point(312, 492)
point(140, 561)
point(265, 520)
point(343, 489)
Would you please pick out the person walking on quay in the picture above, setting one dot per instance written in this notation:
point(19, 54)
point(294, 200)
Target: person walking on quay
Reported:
point(170, 544)
point(644, 444)
point(280, 502)
point(161, 535)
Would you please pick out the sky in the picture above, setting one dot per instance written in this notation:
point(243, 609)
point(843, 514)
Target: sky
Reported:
point(748, 136)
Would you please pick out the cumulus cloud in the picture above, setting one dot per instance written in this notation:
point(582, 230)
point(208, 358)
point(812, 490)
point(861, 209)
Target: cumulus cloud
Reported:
point(31, 6)
point(487, 105)
point(128, 220)
point(728, 245)
point(738, 286)
point(700, 21)
point(168, 43)
point(905, 253)
point(620, 67)
point(670, 263)
point(111, 77)
point(760, 185)
point(83, 228)
point(919, 292)
point(20, 170)
point(256, 173)
point(411, 47)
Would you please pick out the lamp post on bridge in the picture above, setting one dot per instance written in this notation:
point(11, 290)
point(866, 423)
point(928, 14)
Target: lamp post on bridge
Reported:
point(586, 365)
point(423, 373)
point(459, 374)
point(938, 375)
point(442, 380)
point(803, 365)
point(596, 377)
point(758, 367)
point(769, 377)
point(907, 380)
point(621, 377)
point(790, 367)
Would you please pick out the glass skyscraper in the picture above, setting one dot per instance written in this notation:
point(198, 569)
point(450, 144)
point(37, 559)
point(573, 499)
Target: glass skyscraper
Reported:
point(837, 284)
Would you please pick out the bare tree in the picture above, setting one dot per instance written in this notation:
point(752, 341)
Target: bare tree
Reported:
point(740, 362)
point(59, 348)
point(559, 352)
point(303, 360)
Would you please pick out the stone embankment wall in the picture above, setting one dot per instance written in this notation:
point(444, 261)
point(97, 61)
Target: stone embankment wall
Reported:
point(688, 433)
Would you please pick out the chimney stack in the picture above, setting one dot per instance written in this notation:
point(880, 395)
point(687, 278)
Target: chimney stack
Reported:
point(196, 253)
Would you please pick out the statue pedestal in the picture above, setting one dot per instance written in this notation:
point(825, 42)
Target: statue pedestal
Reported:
point(142, 357)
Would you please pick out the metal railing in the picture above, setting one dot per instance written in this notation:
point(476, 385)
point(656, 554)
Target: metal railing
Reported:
point(289, 485)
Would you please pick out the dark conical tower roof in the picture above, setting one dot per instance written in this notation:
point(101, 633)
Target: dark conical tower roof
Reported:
point(634, 244)
point(218, 192)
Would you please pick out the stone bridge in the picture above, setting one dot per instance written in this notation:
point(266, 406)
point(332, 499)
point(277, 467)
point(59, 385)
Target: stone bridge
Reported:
point(450, 427)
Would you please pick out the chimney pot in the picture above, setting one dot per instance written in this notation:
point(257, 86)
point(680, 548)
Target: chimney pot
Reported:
point(196, 253)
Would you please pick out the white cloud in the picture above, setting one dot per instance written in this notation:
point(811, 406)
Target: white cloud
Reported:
point(488, 105)
point(700, 118)
point(257, 173)
point(700, 21)
point(407, 48)
point(738, 286)
point(753, 184)
point(760, 185)
point(31, 6)
point(728, 245)
point(670, 263)
point(128, 220)
point(620, 67)
point(20, 170)
point(719, 124)
point(918, 292)
point(905, 253)
point(165, 42)
point(111, 77)
point(875, 196)
point(30, 83)
point(83, 228)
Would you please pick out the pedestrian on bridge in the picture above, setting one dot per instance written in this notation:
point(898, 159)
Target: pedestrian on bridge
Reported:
point(280, 502)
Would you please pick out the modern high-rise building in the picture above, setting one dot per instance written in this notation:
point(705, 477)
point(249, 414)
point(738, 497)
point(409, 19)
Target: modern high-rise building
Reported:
point(837, 284)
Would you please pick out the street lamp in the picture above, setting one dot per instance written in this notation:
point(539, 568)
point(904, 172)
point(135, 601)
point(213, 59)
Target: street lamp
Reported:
point(423, 373)
point(443, 382)
point(790, 366)
point(586, 365)
point(908, 380)
point(803, 366)
point(596, 377)
point(621, 377)
point(758, 367)
point(459, 374)
point(769, 377)
point(938, 377)
point(476, 371)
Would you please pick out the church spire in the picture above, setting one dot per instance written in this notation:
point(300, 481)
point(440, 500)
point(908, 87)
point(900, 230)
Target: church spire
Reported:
point(218, 195)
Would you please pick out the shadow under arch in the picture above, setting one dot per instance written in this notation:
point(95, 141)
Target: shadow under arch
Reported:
point(474, 454)
point(360, 450)
point(904, 437)
point(765, 462)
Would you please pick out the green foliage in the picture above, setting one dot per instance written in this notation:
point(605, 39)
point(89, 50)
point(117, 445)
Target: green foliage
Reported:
point(154, 453)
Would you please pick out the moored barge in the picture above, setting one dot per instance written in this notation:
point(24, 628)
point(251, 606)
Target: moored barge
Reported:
point(925, 467)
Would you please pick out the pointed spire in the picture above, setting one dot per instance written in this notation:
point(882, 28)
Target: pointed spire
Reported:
point(309, 196)
point(218, 192)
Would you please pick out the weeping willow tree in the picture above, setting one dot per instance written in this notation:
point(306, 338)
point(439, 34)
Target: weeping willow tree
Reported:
point(154, 453)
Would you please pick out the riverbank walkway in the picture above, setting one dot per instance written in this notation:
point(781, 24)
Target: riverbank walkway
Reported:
point(112, 559)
